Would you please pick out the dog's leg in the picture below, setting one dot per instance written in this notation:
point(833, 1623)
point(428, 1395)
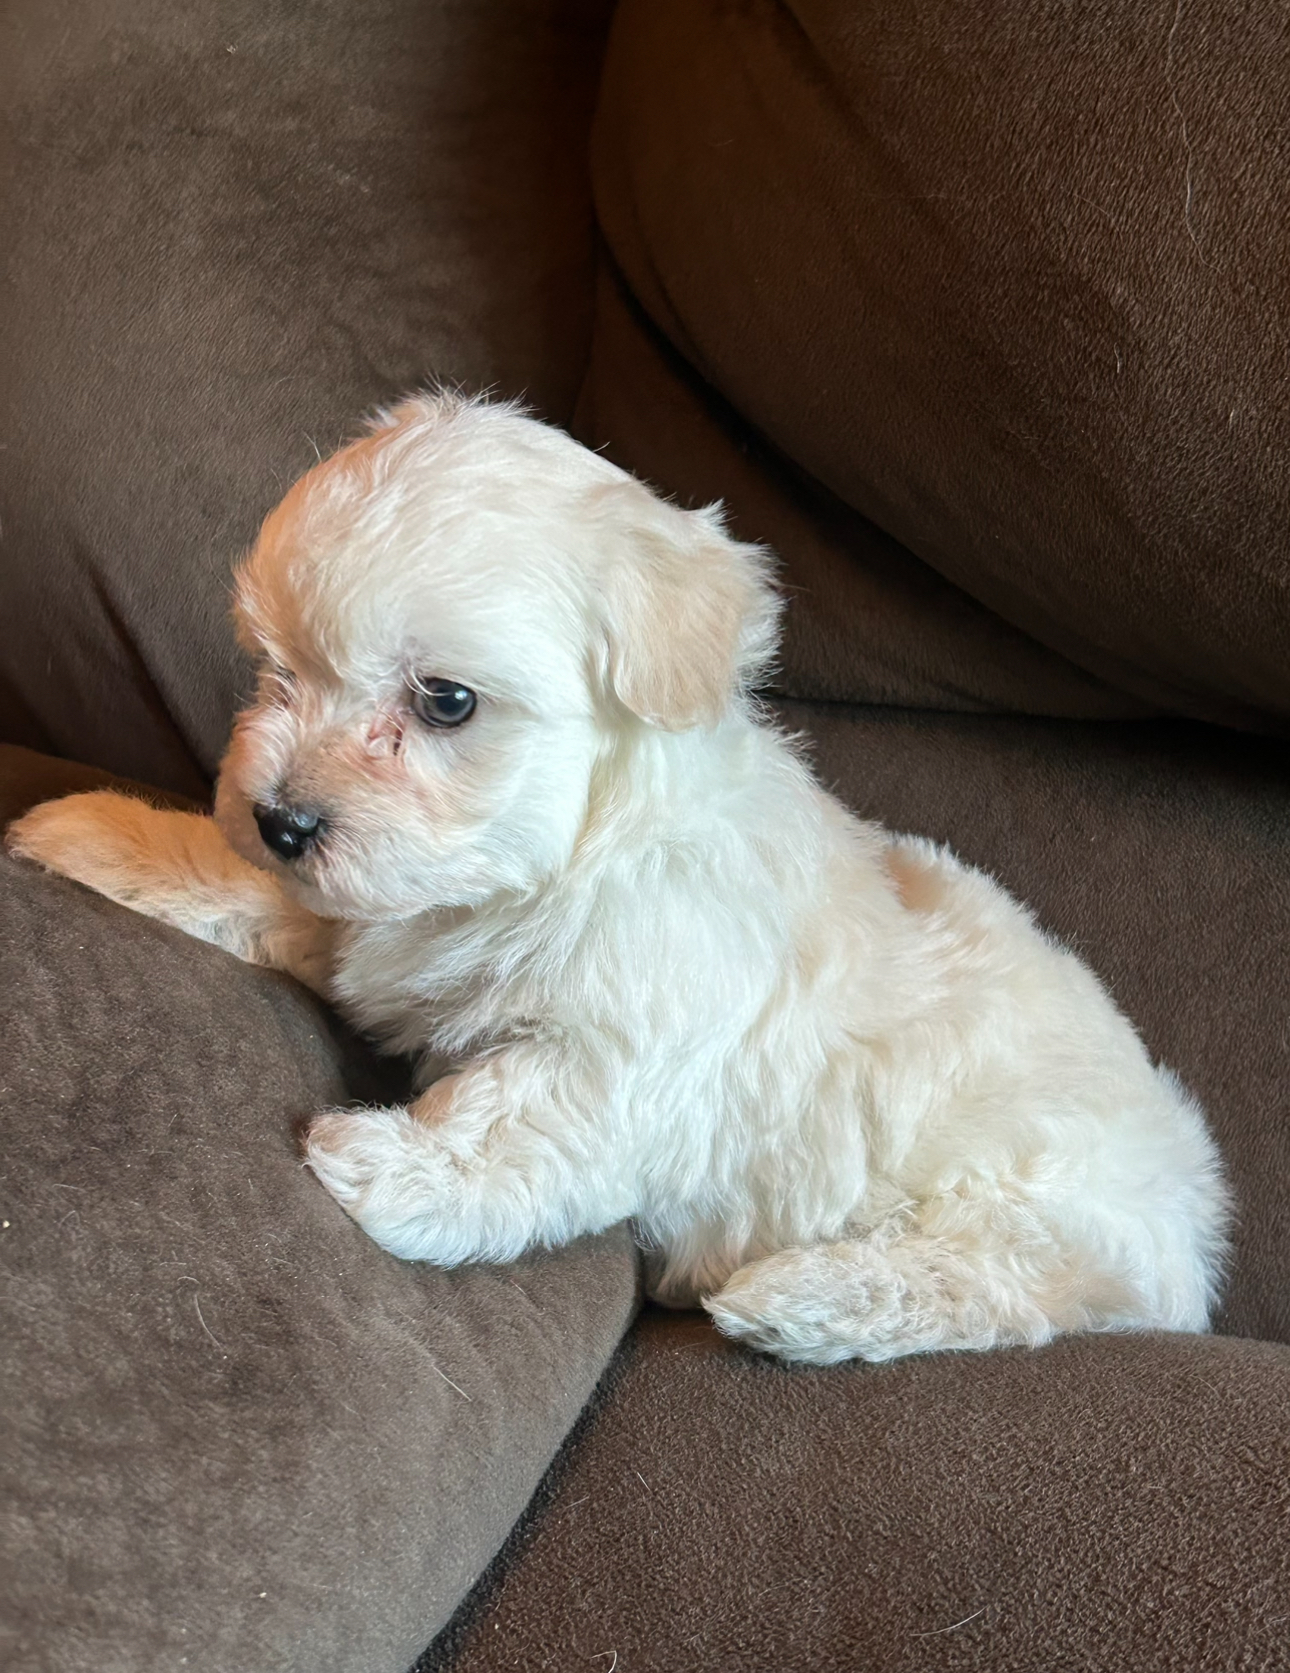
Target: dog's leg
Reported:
point(176, 867)
point(900, 1291)
point(485, 1164)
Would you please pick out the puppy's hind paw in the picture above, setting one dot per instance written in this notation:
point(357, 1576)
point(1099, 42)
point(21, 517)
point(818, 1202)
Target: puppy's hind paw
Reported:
point(813, 1306)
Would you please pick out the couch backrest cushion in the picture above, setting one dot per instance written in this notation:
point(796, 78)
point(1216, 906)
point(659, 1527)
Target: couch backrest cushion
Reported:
point(1007, 281)
point(227, 234)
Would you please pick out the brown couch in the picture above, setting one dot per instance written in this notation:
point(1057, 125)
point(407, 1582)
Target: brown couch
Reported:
point(977, 313)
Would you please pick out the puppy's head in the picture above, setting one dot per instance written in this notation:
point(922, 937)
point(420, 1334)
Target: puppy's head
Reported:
point(451, 617)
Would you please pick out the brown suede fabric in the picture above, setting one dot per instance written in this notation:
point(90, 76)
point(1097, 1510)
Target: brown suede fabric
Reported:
point(867, 620)
point(229, 231)
point(234, 1434)
point(1108, 1505)
point(1007, 280)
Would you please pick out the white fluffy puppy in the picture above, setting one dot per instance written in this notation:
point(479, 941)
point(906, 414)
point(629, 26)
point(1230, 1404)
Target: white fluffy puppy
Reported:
point(504, 798)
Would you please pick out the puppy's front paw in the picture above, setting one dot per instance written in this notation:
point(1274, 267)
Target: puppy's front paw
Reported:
point(99, 838)
point(383, 1170)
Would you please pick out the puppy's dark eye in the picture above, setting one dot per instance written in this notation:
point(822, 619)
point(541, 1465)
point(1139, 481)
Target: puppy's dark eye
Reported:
point(442, 702)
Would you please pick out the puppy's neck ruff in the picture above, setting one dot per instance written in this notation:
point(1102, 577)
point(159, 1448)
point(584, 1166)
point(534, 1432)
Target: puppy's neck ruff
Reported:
point(708, 810)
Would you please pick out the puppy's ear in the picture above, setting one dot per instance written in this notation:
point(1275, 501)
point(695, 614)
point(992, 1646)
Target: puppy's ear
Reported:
point(689, 614)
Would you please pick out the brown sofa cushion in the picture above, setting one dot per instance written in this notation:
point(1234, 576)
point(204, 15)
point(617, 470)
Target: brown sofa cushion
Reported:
point(866, 619)
point(227, 232)
point(1107, 1505)
point(235, 1435)
point(1008, 282)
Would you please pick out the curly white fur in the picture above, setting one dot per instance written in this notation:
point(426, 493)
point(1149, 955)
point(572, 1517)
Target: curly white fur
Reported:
point(854, 1099)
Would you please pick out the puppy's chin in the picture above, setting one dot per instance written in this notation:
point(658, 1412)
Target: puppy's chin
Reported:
point(327, 899)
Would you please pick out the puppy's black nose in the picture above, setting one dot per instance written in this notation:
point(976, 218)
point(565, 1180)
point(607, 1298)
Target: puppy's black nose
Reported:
point(288, 831)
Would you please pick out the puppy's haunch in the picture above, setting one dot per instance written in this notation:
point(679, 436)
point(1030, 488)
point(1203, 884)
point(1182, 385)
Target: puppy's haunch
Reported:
point(504, 797)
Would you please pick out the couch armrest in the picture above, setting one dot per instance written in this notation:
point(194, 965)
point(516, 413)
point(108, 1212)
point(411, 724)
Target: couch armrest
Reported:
point(234, 1430)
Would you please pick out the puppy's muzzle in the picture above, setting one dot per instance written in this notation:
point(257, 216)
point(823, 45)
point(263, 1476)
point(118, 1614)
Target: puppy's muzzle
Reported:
point(288, 831)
